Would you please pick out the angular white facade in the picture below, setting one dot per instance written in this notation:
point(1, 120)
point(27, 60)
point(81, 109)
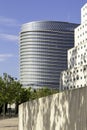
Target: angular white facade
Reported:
point(76, 75)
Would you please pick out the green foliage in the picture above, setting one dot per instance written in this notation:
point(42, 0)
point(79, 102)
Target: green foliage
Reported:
point(12, 91)
point(25, 95)
point(42, 93)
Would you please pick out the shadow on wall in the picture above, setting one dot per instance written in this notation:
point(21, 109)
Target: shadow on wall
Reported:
point(62, 111)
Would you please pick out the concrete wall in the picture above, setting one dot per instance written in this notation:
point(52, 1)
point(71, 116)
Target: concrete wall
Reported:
point(64, 111)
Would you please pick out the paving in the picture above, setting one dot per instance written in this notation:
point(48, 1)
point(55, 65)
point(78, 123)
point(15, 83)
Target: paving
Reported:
point(9, 124)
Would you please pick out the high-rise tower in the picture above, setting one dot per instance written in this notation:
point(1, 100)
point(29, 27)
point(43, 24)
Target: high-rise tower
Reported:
point(43, 52)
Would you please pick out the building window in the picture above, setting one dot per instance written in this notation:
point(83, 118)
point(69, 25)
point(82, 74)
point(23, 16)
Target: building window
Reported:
point(77, 70)
point(73, 79)
point(81, 77)
point(73, 71)
point(85, 61)
point(75, 57)
point(81, 62)
point(84, 77)
point(80, 69)
point(84, 69)
point(77, 77)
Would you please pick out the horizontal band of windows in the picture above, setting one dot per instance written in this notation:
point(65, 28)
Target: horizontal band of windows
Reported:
point(57, 73)
point(39, 79)
point(38, 85)
point(44, 49)
point(26, 52)
point(43, 52)
point(39, 71)
point(58, 68)
point(37, 47)
point(47, 35)
point(70, 38)
point(43, 82)
point(39, 75)
point(26, 75)
point(46, 31)
point(58, 63)
point(41, 34)
point(54, 72)
point(46, 45)
point(41, 57)
point(27, 55)
point(61, 50)
point(52, 44)
point(41, 66)
point(35, 65)
point(33, 79)
point(37, 57)
point(48, 50)
point(45, 40)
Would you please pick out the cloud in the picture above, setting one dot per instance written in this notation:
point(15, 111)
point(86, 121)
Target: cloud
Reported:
point(8, 37)
point(8, 21)
point(4, 57)
point(7, 26)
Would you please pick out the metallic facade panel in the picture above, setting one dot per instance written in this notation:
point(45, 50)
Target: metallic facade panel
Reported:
point(43, 52)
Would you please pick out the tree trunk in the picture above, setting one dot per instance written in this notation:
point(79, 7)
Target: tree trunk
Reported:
point(4, 113)
point(16, 108)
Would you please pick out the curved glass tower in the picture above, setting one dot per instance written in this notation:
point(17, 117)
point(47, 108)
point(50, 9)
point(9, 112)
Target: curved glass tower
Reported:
point(43, 52)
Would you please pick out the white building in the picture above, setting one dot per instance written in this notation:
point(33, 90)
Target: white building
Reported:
point(76, 75)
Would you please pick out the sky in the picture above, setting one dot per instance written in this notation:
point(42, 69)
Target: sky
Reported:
point(14, 13)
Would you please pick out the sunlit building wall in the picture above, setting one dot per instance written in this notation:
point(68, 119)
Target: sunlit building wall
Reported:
point(76, 75)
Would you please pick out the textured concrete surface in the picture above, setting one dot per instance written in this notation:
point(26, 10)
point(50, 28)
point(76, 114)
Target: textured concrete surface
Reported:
point(9, 124)
point(64, 111)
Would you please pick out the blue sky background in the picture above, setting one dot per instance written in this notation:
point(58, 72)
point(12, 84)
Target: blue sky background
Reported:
point(14, 13)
